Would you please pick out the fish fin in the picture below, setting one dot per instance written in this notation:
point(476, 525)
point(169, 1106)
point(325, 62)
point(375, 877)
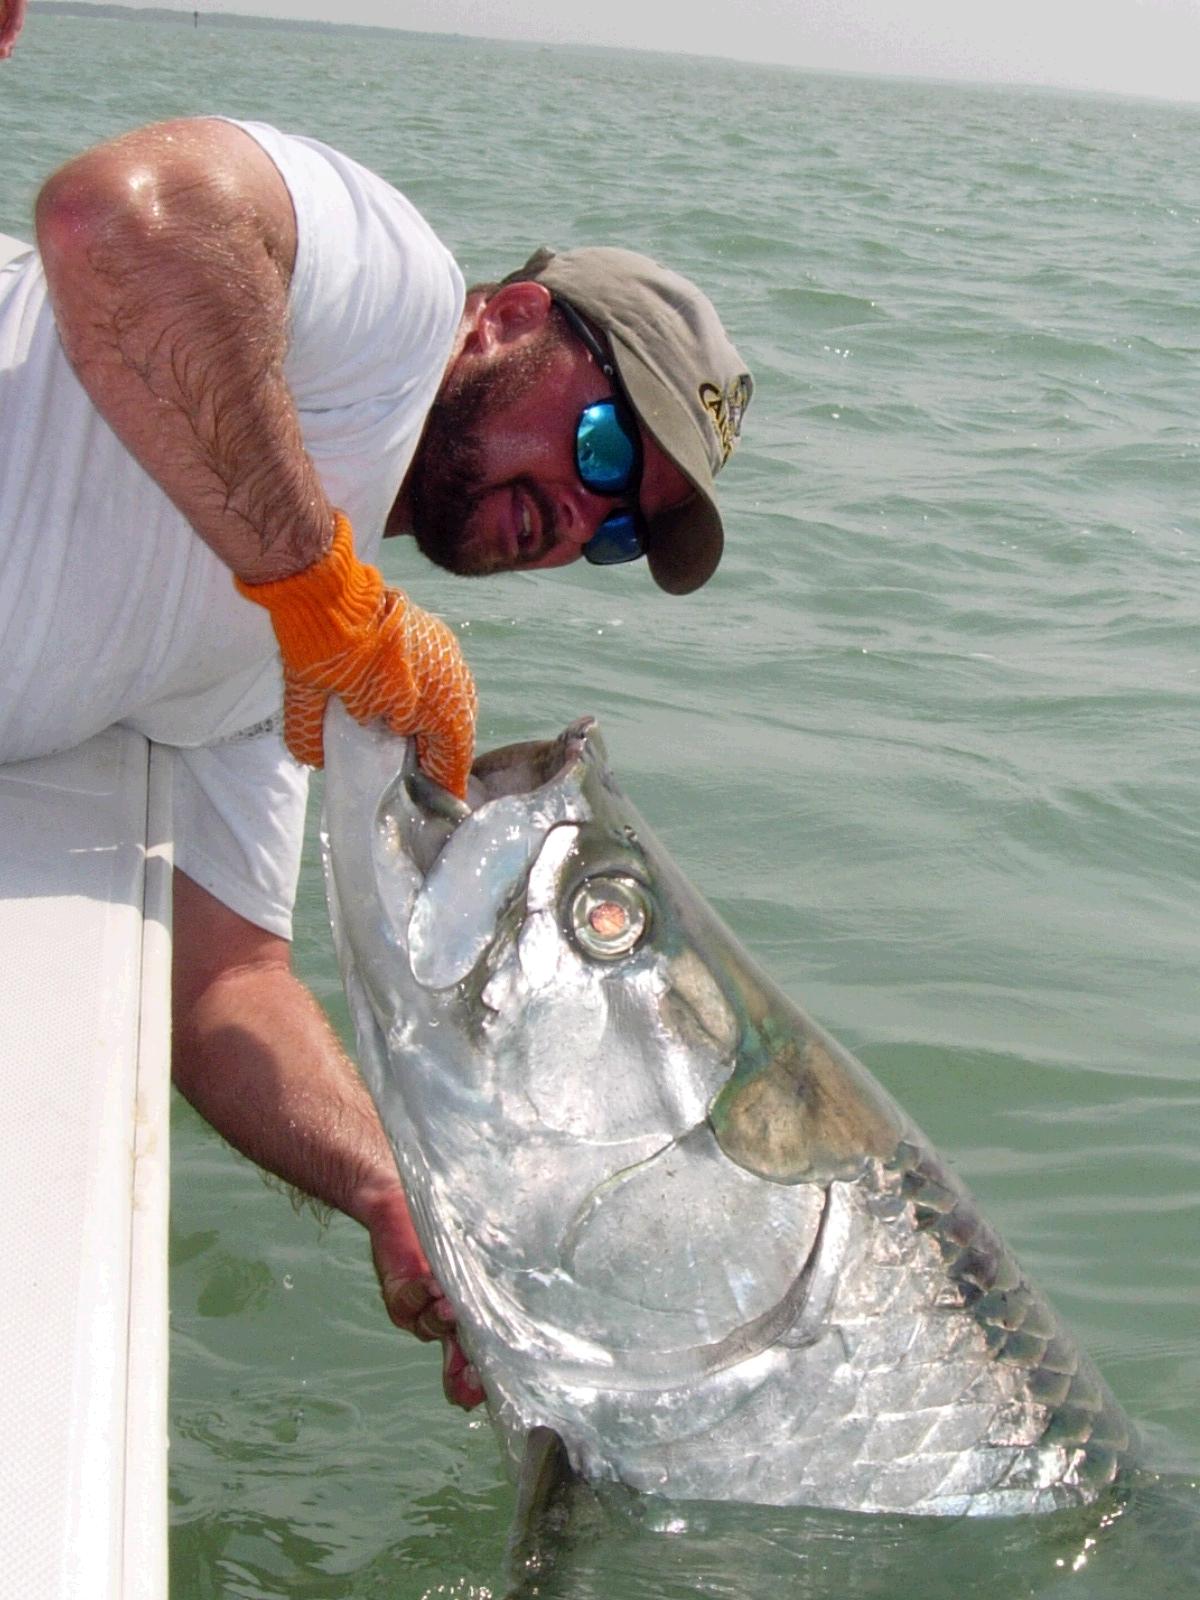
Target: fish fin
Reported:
point(544, 1494)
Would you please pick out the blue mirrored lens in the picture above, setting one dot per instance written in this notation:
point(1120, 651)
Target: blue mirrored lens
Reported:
point(617, 539)
point(606, 449)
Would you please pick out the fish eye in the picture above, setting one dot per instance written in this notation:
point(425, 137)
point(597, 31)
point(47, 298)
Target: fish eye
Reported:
point(609, 917)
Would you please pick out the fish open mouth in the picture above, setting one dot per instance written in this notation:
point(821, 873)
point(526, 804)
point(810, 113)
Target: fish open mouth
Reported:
point(522, 768)
point(473, 856)
point(511, 770)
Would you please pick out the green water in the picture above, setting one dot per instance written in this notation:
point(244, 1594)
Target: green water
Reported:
point(929, 742)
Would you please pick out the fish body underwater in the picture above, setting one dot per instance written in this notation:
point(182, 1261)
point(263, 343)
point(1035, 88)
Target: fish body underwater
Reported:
point(680, 1225)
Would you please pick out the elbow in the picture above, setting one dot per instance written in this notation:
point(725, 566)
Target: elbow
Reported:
point(68, 211)
point(123, 186)
point(76, 208)
point(59, 217)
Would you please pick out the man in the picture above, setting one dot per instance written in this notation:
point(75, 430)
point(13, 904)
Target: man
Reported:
point(239, 361)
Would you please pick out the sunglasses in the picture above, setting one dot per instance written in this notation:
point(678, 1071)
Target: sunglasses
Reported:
point(608, 458)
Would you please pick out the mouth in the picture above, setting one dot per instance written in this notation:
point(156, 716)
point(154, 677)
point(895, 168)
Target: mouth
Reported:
point(509, 528)
point(528, 543)
point(444, 870)
point(521, 769)
point(511, 770)
point(472, 855)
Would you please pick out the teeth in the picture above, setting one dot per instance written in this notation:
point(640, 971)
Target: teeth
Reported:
point(526, 521)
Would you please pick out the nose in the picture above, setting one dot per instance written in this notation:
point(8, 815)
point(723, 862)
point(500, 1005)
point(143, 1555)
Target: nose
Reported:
point(579, 514)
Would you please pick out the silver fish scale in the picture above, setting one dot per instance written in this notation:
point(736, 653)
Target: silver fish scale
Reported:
point(1022, 1331)
point(896, 1402)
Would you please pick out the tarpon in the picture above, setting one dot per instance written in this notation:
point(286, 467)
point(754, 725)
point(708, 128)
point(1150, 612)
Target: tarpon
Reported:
point(680, 1225)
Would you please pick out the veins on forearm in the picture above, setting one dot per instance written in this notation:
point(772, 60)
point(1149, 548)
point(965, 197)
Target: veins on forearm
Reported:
point(184, 350)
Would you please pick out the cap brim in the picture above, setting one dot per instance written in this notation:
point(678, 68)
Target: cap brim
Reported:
point(685, 546)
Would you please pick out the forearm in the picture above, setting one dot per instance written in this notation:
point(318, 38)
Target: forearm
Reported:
point(253, 1051)
point(257, 1058)
point(168, 255)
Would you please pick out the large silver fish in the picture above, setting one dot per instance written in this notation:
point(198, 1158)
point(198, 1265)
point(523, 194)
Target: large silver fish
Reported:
point(681, 1226)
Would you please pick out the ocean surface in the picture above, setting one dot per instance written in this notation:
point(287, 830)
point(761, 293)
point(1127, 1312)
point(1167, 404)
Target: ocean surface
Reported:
point(928, 742)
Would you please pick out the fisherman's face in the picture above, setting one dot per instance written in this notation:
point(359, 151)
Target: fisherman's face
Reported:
point(494, 486)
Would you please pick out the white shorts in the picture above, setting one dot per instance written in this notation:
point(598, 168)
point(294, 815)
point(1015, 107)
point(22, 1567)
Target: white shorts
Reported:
point(239, 825)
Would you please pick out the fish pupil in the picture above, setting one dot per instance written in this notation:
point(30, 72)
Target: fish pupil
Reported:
point(608, 919)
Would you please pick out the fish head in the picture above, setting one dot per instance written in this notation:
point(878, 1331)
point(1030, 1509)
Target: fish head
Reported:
point(521, 949)
point(539, 975)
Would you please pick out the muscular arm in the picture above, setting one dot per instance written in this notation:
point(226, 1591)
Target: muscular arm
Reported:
point(168, 253)
point(254, 1054)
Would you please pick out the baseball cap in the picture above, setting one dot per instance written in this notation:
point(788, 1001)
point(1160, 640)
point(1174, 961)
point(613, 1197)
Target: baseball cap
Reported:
point(685, 380)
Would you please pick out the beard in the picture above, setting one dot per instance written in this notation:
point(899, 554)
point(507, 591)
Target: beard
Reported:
point(446, 479)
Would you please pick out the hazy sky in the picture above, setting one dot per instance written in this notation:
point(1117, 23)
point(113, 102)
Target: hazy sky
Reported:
point(1149, 47)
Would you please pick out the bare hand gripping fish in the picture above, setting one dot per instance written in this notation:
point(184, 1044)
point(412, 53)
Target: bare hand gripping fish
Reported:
point(681, 1226)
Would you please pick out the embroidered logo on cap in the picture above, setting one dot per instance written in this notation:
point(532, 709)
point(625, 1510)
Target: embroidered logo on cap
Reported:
point(727, 408)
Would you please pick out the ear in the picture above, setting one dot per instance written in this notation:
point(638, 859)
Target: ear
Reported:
point(515, 311)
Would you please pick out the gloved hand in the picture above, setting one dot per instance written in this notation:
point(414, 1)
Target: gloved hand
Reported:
point(340, 631)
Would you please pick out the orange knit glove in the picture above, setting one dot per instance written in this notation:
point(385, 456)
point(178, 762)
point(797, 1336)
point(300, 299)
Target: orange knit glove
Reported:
point(340, 631)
